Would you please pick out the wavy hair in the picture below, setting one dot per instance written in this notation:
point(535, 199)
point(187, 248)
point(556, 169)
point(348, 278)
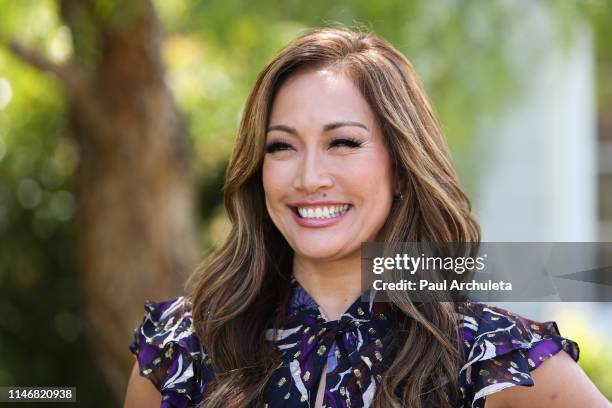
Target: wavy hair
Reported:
point(242, 288)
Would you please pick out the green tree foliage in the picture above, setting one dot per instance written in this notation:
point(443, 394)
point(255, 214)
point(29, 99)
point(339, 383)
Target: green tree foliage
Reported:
point(41, 329)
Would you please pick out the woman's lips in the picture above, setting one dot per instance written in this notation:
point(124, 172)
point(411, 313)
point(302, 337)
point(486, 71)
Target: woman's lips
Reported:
point(319, 222)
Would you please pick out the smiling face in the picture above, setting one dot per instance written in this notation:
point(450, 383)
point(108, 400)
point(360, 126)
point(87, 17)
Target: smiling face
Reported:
point(326, 171)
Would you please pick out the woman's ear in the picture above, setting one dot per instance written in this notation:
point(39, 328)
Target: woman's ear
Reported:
point(398, 185)
point(399, 181)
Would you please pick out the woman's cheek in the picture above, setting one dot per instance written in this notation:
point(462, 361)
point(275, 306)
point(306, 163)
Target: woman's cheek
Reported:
point(276, 181)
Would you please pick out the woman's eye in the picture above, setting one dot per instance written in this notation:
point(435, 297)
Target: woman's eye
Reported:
point(346, 142)
point(276, 146)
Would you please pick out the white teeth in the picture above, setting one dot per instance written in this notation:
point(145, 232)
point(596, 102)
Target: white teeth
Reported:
point(323, 212)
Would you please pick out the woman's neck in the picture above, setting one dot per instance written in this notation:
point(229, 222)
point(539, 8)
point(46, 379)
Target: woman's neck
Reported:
point(334, 285)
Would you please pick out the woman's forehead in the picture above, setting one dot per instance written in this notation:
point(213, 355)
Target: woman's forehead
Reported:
point(320, 95)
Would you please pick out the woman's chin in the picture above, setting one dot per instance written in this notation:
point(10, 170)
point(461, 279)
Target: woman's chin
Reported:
point(319, 252)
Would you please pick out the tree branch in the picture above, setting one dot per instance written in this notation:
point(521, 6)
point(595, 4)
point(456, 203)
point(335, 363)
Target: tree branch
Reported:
point(72, 78)
point(68, 74)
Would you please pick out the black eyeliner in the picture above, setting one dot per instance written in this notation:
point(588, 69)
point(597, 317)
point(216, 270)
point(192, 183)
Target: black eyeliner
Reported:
point(350, 142)
point(274, 146)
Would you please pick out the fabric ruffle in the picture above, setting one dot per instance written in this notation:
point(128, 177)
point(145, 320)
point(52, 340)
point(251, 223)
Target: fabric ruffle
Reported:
point(169, 353)
point(502, 348)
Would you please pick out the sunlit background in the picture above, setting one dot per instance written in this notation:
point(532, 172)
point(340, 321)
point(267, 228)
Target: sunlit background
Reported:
point(523, 90)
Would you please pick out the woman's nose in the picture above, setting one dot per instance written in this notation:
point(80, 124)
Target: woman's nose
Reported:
point(312, 174)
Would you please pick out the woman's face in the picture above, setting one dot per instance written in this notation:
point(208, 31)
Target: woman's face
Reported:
point(326, 171)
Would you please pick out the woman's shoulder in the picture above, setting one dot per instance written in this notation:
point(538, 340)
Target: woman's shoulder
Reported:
point(488, 325)
point(168, 351)
point(169, 322)
point(501, 348)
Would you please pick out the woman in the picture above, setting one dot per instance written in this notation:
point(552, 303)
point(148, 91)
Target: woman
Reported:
point(338, 145)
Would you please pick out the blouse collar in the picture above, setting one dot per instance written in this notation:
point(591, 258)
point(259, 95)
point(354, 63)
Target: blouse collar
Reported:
point(357, 348)
point(303, 309)
point(301, 301)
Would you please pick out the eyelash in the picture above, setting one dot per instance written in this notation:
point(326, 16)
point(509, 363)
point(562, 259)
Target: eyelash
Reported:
point(348, 142)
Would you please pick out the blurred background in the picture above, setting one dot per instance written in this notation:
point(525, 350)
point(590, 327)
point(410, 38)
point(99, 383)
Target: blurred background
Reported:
point(117, 120)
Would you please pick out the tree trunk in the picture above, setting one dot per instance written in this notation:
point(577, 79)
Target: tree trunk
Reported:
point(135, 213)
point(136, 216)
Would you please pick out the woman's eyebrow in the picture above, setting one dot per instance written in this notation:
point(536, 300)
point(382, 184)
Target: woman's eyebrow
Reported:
point(282, 128)
point(327, 127)
point(335, 125)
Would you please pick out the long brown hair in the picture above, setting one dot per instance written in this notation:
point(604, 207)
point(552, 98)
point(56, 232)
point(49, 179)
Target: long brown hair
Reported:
point(244, 284)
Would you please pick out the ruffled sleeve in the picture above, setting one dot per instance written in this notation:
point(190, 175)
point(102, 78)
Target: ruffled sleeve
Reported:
point(169, 354)
point(502, 348)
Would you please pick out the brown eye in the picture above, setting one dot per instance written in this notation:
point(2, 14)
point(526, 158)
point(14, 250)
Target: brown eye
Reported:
point(348, 142)
point(276, 146)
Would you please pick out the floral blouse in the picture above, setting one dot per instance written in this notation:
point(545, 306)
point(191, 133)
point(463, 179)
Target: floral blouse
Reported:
point(500, 348)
